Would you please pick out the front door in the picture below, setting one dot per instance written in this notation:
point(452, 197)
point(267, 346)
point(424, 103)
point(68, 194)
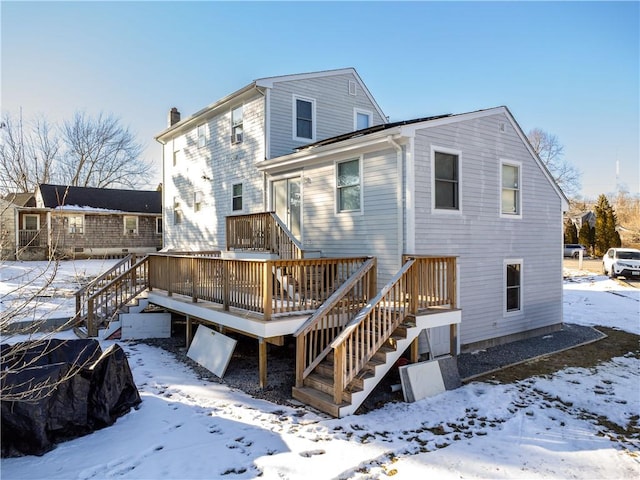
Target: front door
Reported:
point(287, 203)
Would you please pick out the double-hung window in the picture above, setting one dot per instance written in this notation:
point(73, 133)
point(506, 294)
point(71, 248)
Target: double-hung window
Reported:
point(513, 286)
point(197, 201)
point(236, 125)
point(446, 180)
point(348, 191)
point(236, 200)
point(130, 225)
point(76, 224)
point(304, 118)
point(510, 195)
point(202, 135)
point(177, 211)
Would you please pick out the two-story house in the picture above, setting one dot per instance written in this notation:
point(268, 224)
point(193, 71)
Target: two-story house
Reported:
point(362, 239)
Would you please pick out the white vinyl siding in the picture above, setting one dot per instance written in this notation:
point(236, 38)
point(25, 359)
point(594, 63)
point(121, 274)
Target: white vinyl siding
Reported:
point(481, 237)
point(334, 109)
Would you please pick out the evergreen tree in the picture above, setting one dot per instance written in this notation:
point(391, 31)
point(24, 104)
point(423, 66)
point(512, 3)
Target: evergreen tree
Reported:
point(605, 235)
point(585, 237)
point(570, 232)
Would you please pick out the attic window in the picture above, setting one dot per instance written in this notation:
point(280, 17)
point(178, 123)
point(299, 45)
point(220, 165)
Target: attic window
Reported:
point(352, 87)
point(304, 112)
point(202, 135)
point(197, 201)
point(510, 173)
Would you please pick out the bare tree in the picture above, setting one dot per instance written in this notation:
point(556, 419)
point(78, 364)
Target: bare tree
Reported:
point(27, 154)
point(101, 152)
point(551, 152)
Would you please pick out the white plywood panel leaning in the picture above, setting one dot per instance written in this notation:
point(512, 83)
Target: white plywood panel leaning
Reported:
point(212, 350)
point(421, 380)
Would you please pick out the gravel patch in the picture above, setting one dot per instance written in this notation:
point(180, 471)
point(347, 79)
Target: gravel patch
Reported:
point(242, 372)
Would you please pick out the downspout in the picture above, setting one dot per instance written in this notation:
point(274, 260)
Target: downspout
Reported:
point(164, 190)
point(400, 210)
point(266, 143)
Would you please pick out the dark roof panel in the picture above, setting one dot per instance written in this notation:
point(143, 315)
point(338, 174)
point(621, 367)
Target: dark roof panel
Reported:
point(134, 201)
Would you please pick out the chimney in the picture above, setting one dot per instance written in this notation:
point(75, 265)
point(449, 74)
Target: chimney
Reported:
point(174, 116)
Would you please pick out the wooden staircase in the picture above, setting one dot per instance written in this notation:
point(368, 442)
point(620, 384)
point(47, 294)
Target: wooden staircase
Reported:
point(342, 355)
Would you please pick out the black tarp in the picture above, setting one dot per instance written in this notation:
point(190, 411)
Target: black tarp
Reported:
point(60, 389)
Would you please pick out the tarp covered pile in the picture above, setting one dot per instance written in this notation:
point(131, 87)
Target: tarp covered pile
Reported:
point(55, 390)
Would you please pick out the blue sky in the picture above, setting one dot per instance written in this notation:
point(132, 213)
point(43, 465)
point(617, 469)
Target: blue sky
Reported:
point(570, 68)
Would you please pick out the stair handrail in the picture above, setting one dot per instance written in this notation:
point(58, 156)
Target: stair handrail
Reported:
point(347, 367)
point(295, 247)
point(306, 358)
point(87, 290)
point(111, 297)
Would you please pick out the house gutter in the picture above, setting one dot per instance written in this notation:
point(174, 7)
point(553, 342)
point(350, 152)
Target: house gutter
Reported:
point(400, 229)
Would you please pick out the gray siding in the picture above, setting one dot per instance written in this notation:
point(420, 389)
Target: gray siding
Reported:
point(213, 170)
point(375, 231)
point(334, 109)
point(482, 239)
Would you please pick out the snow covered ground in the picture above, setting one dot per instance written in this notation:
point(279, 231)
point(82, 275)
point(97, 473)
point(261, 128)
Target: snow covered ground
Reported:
point(578, 423)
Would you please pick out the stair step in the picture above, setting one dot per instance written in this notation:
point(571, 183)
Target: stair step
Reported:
point(324, 384)
point(81, 331)
point(320, 400)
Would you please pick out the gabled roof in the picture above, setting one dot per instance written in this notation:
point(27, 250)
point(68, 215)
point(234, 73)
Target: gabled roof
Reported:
point(131, 201)
point(21, 199)
point(267, 82)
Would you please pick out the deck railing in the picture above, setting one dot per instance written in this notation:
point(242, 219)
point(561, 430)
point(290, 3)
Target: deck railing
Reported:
point(421, 283)
point(262, 232)
point(104, 304)
point(33, 238)
point(269, 287)
point(99, 282)
point(314, 338)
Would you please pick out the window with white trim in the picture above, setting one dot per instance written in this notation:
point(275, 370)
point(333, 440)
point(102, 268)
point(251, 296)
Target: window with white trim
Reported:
point(177, 211)
point(175, 157)
point(31, 222)
point(130, 225)
point(237, 124)
point(75, 224)
point(362, 119)
point(348, 182)
point(304, 112)
point(202, 135)
point(446, 184)
point(197, 201)
point(159, 225)
point(513, 286)
point(236, 200)
point(510, 194)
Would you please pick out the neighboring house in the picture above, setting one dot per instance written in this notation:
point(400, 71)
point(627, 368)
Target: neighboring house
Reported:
point(83, 222)
point(360, 238)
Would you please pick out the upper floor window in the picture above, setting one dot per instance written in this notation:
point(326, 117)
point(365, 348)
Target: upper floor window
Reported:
point(446, 168)
point(348, 191)
point(304, 118)
point(513, 286)
point(202, 135)
point(130, 225)
point(236, 125)
point(362, 119)
point(177, 211)
point(236, 201)
point(75, 224)
point(175, 157)
point(197, 201)
point(510, 195)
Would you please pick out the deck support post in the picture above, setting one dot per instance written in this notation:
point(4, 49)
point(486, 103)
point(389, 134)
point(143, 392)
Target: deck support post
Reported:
point(413, 351)
point(262, 361)
point(188, 332)
point(453, 339)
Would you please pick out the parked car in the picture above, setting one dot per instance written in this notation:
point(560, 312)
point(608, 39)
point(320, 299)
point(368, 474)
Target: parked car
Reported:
point(621, 261)
point(573, 250)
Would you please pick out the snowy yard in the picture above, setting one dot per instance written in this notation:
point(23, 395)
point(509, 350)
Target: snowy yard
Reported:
point(578, 423)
